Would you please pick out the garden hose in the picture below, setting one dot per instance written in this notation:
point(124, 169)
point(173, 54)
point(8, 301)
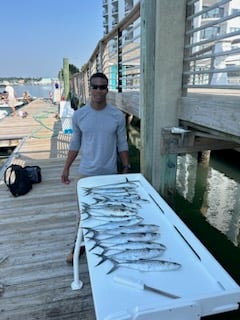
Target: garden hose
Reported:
point(39, 117)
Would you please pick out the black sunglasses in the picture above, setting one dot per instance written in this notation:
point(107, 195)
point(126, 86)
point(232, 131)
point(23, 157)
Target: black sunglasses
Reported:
point(100, 87)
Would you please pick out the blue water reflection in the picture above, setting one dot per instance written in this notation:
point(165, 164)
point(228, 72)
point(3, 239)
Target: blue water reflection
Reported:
point(216, 194)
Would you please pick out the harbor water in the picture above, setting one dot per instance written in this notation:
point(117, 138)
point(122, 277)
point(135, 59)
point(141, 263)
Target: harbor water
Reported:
point(36, 91)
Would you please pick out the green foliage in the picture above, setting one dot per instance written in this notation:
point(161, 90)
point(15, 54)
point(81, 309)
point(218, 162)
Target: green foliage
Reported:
point(72, 70)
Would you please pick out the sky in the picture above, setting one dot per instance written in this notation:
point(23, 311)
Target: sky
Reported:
point(37, 34)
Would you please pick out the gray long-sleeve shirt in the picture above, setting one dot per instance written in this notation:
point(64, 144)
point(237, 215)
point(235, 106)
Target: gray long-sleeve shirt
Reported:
point(98, 134)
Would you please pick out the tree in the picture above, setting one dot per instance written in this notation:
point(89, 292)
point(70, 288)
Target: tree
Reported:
point(72, 70)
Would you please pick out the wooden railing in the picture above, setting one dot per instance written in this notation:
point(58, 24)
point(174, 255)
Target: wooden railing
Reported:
point(118, 56)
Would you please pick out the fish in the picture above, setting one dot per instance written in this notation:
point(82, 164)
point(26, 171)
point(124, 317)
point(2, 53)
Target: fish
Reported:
point(116, 193)
point(133, 245)
point(124, 237)
point(87, 212)
point(117, 216)
point(130, 255)
point(120, 187)
point(136, 228)
point(134, 198)
point(123, 184)
point(137, 236)
point(146, 265)
point(112, 204)
point(110, 218)
point(127, 229)
point(116, 224)
point(109, 207)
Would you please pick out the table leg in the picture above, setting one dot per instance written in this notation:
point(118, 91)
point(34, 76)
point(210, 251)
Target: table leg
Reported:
point(77, 283)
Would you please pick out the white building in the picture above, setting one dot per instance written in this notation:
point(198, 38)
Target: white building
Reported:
point(217, 25)
point(114, 11)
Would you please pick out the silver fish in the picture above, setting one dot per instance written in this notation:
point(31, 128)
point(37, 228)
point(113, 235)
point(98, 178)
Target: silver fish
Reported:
point(110, 207)
point(136, 228)
point(133, 245)
point(146, 265)
point(108, 214)
point(111, 218)
point(118, 204)
point(115, 193)
point(131, 199)
point(112, 225)
point(130, 255)
point(128, 229)
point(125, 187)
point(124, 237)
point(124, 184)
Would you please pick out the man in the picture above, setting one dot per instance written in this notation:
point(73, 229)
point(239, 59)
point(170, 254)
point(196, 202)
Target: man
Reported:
point(11, 97)
point(99, 132)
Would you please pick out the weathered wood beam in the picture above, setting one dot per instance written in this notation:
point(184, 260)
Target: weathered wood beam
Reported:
point(148, 61)
point(192, 141)
point(212, 113)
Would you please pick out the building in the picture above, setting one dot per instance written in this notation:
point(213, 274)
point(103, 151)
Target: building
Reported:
point(218, 28)
point(114, 11)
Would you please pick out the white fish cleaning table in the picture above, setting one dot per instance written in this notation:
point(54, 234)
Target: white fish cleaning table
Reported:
point(203, 286)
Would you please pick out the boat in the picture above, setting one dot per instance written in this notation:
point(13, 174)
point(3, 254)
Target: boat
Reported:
point(5, 109)
point(3, 114)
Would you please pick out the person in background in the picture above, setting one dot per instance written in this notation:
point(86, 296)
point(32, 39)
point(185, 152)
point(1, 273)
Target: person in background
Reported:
point(99, 133)
point(26, 97)
point(11, 97)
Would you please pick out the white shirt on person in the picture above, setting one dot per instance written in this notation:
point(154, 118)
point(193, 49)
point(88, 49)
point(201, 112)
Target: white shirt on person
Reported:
point(10, 91)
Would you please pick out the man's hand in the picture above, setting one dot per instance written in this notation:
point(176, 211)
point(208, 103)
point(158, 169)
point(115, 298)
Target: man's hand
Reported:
point(65, 177)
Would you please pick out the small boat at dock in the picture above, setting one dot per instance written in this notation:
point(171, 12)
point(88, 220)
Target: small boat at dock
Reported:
point(5, 109)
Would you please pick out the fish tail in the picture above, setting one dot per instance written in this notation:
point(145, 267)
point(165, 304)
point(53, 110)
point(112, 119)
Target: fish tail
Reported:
point(114, 267)
point(104, 250)
point(86, 214)
point(94, 234)
point(103, 259)
point(94, 246)
point(87, 230)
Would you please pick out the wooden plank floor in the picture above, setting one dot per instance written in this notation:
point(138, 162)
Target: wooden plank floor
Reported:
point(37, 229)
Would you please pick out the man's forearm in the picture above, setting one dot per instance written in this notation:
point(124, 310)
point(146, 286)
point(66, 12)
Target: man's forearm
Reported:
point(124, 158)
point(70, 158)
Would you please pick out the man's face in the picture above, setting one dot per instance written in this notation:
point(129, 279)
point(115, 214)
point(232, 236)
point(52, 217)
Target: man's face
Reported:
point(98, 90)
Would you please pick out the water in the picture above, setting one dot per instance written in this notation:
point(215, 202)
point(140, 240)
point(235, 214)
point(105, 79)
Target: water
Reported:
point(38, 91)
point(214, 189)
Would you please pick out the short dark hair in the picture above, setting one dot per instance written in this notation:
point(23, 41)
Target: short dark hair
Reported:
point(98, 75)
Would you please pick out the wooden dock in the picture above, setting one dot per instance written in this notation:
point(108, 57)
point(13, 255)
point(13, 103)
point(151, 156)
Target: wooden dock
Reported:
point(37, 229)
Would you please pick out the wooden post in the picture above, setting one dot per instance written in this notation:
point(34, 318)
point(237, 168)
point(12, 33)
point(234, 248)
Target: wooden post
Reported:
point(163, 27)
point(66, 78)
point(204, 157)
point(148, 28)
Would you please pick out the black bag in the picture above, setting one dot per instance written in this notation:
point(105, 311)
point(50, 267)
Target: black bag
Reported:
point(34, 173)
point(17, 180)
